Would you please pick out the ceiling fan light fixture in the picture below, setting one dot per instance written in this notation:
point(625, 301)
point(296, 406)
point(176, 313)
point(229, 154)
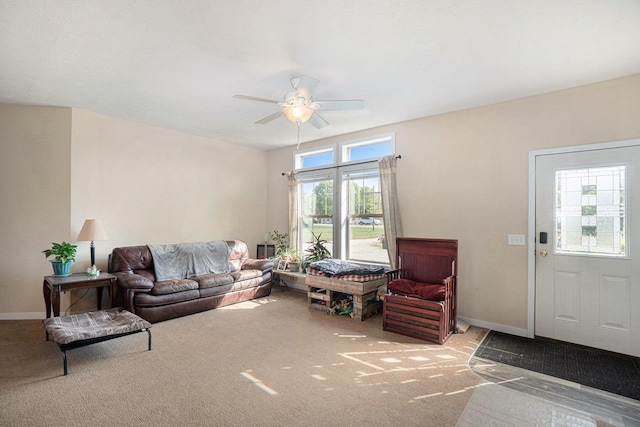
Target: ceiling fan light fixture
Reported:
point(298, 113)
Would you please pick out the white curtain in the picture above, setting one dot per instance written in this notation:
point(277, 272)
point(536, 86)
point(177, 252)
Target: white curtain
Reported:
point(390, 208)
point(293, 210)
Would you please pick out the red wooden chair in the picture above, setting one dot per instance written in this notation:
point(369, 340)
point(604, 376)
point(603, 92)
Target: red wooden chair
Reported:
point(421, 294)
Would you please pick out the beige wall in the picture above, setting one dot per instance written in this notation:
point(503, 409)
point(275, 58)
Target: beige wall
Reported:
point(35, 196)
point(464, 175)
point(146, 184)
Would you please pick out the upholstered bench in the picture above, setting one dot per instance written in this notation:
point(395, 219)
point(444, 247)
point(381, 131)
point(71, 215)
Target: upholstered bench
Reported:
point(78, 330)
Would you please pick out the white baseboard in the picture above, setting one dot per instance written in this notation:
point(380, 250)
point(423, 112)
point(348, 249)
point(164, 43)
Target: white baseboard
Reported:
point(496, 327)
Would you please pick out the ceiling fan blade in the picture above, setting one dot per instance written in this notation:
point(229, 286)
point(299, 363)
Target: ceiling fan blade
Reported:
point(269, 118)
point(304, 86)
point(346, 104)
point(317, 121)
point(253, 98)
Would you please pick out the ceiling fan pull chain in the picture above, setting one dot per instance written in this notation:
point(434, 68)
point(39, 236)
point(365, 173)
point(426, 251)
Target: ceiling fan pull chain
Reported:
point(298, 147)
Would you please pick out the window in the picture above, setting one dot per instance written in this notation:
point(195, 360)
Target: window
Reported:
point(590, 211)
point(316, 200)
point(364, 228)
point(340, 199)
point(367, 149)
point(311, 159)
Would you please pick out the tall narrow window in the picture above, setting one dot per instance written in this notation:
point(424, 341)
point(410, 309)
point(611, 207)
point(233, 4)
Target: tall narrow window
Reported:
point(590, 211)
point(316, 210)
point(364, 227)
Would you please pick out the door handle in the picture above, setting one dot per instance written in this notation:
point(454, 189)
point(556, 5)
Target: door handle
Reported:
point(543, 253)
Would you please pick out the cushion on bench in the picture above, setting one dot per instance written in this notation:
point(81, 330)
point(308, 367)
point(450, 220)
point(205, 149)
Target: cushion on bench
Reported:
point(425, 291)
point(95, 324)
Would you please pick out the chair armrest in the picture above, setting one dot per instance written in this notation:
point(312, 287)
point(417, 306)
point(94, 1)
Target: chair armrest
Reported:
point(449, 287)
point(449, 281)
point(393, 275)
point(258, 264)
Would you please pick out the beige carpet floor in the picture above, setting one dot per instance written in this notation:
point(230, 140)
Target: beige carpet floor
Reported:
point(269, 362)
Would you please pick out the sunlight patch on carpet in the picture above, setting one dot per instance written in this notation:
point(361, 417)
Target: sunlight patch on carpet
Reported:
point(406, 359)
point(349, 336)
point(258, 383)
point(248, 305)
point(426, 396)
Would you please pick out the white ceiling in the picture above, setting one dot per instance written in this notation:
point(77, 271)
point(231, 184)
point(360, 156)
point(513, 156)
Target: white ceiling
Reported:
point(177, 64)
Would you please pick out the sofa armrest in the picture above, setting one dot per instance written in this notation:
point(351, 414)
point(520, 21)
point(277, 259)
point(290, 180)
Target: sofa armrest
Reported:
point(263, 265)
point(130, 280)
point(128, 285)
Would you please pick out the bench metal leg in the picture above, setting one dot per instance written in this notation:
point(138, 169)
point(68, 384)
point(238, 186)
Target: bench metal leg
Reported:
point(64, 360)
point(149, 332)
point(82, 343)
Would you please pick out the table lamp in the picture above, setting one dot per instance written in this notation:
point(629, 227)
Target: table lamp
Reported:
point(92, 230)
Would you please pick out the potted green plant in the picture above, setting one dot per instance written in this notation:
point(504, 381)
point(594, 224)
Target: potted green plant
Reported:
point(294, 261)
point(281, 246)
point(281, 242)
point(317, 251)
point(64, 254)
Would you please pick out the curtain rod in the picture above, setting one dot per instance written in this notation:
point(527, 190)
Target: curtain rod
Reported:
point(350, 164)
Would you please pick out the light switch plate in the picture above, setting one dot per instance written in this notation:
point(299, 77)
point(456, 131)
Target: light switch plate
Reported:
point(515, 239)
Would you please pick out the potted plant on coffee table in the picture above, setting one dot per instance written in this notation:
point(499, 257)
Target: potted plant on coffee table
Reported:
point(64, 254)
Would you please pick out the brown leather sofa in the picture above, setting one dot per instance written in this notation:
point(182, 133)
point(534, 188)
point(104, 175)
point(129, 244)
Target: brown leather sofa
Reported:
point(141, 294)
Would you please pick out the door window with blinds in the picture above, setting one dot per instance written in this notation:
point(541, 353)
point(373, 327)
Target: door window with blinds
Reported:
point(590, 211)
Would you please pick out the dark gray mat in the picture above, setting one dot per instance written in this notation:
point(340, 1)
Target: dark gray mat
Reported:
point(611, 372)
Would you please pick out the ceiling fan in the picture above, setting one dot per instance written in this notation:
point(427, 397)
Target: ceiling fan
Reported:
point(299, 107)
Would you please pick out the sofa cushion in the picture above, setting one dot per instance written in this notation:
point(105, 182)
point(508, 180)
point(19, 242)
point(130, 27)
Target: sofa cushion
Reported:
point(238, 253)
point(246, 284)
point(143, 299)
point(130, 259)
point(216, 290)
point(147, 274)
point(213, 280)
point(246, 274)
point(172, 286)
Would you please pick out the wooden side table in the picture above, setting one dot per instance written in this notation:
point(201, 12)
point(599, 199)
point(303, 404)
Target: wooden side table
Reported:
point(53, 285)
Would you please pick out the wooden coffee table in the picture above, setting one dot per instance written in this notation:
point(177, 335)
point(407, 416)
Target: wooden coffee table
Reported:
point(321, 294)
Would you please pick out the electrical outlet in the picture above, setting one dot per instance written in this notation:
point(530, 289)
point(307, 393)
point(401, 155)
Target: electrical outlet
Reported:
point(515, 239)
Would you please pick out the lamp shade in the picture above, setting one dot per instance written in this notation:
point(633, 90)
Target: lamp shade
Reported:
point(92, 230)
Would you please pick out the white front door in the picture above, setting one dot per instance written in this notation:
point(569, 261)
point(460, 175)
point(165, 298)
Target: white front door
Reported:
point(587, 283)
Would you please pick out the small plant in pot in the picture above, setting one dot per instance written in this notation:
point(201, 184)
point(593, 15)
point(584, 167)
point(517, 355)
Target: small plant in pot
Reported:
point(295, 261)
point(317, 251)
point(64, 254)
